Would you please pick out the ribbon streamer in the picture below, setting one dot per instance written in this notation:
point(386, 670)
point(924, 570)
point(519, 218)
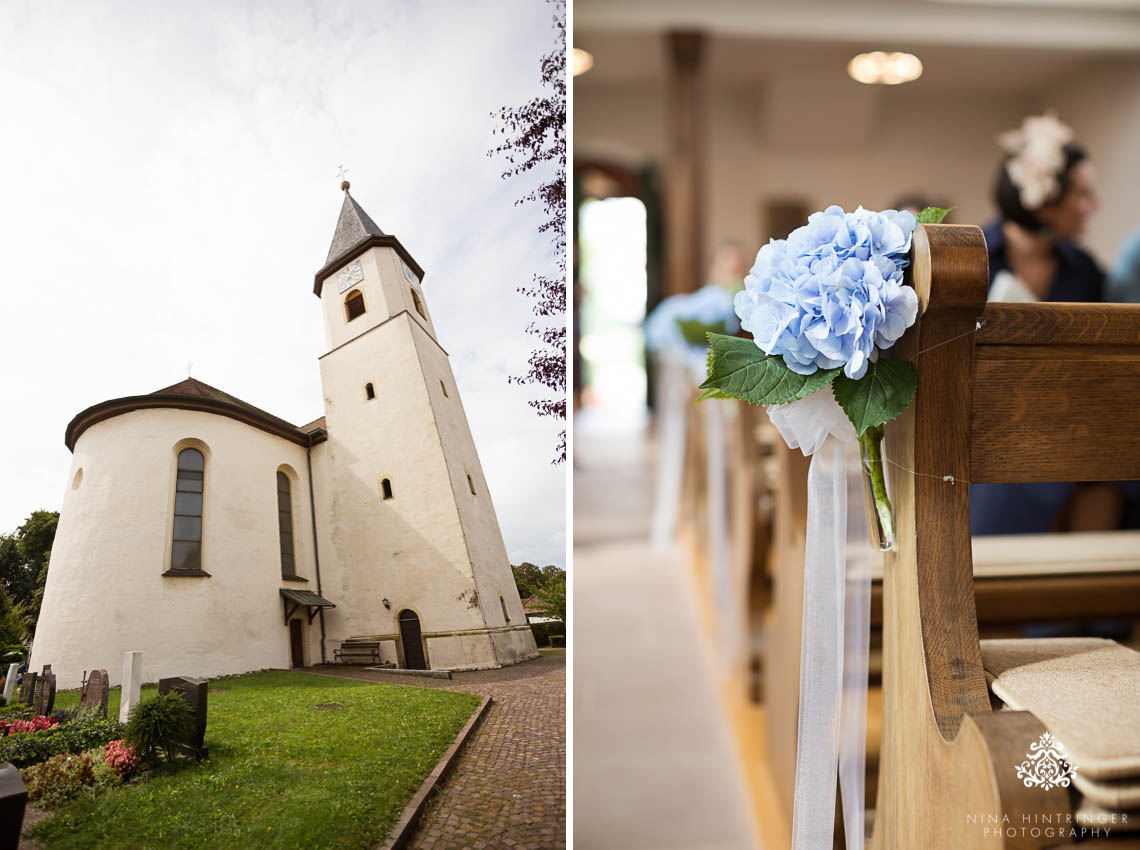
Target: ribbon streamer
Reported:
point(836, 619)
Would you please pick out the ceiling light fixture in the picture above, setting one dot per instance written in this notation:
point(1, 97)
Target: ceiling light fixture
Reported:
point(887, 69)
point(582, 61)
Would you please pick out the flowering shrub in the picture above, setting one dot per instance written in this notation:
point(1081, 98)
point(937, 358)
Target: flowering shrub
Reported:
point(85, 731)
point(122, 758)
point(832, 291)
point(36, 724)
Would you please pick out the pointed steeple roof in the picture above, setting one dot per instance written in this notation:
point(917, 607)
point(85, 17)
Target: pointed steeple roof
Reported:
point(353, 227)
point(355, 233)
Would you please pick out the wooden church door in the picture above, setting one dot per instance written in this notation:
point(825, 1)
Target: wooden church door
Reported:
point(410, 638)
point(296, 643)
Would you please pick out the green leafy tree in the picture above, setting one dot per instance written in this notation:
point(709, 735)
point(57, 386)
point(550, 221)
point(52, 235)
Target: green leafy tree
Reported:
point(24, 556)
point(553, 597)
point(528, 579)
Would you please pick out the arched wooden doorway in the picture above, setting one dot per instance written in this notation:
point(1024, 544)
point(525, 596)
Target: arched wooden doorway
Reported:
point(412, 641)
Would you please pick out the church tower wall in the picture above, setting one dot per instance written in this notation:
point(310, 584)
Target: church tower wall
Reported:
point(427, 541)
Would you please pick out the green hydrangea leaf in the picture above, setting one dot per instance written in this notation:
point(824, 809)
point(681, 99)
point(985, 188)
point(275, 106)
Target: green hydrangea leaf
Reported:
point(738, 368)
point(695, 333)
point(933, 215)
point(711, 393)
point(879, 396)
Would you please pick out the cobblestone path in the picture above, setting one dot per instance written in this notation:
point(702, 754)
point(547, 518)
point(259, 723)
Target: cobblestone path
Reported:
point(508, 787)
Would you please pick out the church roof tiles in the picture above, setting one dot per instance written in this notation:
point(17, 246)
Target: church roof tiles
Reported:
point(192, 394)
point(352, 228)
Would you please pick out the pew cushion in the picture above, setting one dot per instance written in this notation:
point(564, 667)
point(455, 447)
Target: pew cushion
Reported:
point(1111, 793)
point(1085, 691)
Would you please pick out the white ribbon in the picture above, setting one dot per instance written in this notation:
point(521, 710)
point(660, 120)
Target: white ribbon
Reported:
point(836, 618)
point(724, 594)
point(675, 373)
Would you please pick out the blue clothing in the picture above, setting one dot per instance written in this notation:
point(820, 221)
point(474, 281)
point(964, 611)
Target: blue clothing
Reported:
point(1032, 508)
point(1124, 281)
point(1078, 277)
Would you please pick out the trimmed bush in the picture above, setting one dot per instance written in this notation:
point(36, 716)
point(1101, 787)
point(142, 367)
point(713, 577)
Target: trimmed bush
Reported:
point(86, 730)
point(161, 722)
point(543, 631)
point(557, 641)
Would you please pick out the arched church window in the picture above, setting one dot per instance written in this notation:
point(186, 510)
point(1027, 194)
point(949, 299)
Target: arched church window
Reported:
point(385, 489)
point(285, 525)
point(354, 304)
point(186, 548)
point(417, 302)
point(443, 387)
point(471, 484)
point(369, 392)
point(506, 616)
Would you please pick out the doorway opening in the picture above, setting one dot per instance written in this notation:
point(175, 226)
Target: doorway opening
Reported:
point(412, 641)
point(296, 643)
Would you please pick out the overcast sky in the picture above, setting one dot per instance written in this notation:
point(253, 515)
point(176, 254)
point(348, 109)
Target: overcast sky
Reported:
point(168, 188)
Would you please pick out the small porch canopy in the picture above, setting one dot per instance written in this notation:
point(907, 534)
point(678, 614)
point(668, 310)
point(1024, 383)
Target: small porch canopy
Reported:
point(297, 599)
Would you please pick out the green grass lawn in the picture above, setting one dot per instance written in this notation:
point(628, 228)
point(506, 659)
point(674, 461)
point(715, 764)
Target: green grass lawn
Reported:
point(282, 773)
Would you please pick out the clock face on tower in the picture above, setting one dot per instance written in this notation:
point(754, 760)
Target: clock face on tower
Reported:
point(409, 274)
point(349, 275)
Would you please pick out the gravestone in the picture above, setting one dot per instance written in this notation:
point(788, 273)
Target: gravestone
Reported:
point(10, 682)
point(43, 693)
point(13, 799)
point(132, 680)
point(27, 688)
point(194, 691)
point(94, 694)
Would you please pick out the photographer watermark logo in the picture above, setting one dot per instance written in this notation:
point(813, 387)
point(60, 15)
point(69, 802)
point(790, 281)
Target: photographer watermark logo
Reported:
point(1045, 766)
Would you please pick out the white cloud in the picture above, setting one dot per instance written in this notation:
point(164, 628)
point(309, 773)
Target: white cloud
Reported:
point(168, 187)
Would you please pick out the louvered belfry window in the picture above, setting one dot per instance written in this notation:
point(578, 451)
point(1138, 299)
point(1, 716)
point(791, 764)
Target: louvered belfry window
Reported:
point(186, 549)
point(354, 304)
point(285, 524)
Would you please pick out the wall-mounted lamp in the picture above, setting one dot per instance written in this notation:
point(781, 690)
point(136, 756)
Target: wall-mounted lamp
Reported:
point(387, 604)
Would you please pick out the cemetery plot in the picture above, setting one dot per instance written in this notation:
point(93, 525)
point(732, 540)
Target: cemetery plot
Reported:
point(281, 772)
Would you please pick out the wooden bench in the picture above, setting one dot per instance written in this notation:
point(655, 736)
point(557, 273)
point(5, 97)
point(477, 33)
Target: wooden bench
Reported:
point(1042, 392)
point(366, 650)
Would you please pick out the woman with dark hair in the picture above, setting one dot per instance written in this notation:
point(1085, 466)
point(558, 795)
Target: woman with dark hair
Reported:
point(1046, 194)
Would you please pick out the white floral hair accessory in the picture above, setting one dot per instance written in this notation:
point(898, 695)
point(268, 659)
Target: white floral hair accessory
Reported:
point(1036, 157)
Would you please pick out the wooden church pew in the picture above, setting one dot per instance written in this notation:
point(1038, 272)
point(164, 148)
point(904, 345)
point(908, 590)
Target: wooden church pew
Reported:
point(1041, 392)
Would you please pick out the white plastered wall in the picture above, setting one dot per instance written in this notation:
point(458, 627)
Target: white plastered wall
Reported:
point(106, 593)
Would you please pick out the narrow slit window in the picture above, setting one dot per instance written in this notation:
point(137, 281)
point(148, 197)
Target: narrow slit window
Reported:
point(285, 525)
point(471, 484)
point(369, 392)
point(186, 545)
point(443, 387)
point(354, 304)
point(416, 301)
point(385, 489)
point(506, 616)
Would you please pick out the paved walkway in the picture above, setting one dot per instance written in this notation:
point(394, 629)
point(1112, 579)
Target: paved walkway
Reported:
point(508, 787)
point(654, 767)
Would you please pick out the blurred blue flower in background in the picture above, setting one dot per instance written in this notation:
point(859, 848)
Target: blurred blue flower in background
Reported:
point(681, 321)
point(832, 292)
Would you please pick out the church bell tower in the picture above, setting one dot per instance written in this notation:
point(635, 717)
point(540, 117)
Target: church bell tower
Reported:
point(408, 540)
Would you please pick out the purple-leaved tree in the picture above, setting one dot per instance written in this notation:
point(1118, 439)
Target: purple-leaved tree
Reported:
point(535, 137)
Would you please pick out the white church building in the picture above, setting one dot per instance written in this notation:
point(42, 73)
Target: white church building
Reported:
point(216, 538)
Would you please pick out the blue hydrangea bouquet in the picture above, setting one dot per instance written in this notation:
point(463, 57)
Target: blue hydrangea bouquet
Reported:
point(822, 306)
